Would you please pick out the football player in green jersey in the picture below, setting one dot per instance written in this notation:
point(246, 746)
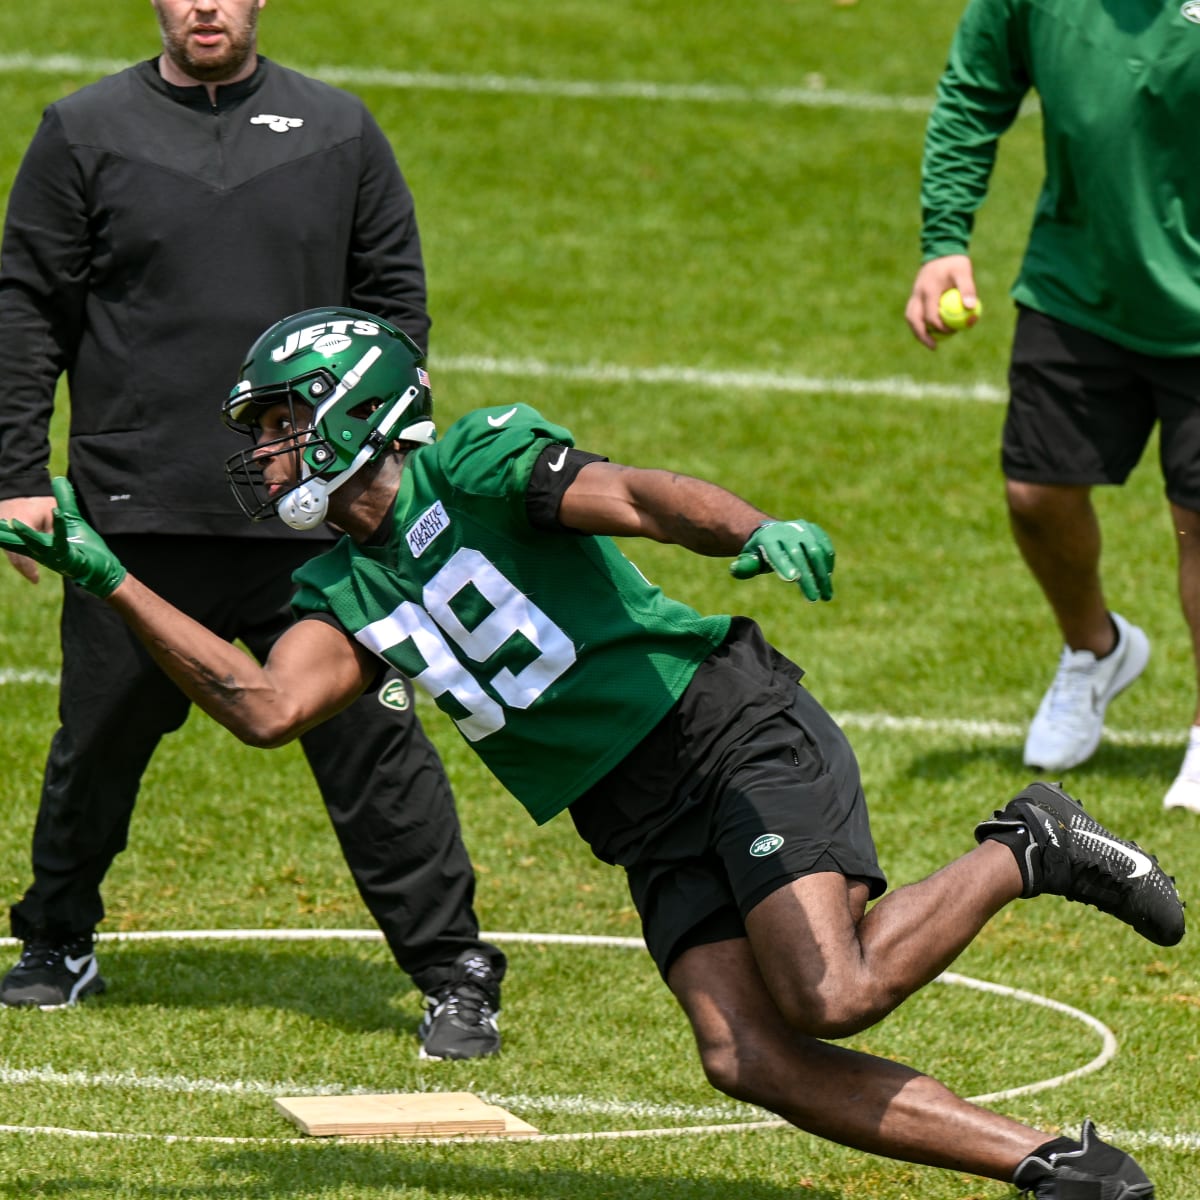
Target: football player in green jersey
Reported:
point(482, 564)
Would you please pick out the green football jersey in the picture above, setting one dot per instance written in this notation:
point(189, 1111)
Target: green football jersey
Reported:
point(551, 652)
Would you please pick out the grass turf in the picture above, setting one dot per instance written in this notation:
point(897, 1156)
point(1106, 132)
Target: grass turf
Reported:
point(721, 231)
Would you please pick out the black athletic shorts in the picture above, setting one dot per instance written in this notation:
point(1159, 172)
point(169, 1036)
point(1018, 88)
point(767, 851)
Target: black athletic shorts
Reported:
point(1082, 409)
point(746, 785)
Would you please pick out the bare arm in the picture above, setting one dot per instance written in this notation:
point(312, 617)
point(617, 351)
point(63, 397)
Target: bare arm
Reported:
point(313, 670)
point(621, 501)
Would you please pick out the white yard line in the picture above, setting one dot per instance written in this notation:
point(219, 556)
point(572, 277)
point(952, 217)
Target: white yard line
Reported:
point(811, 96)
point(715, 379)
point(15, 675)
point(814, 94)
point(994, 731)
point(943, 728)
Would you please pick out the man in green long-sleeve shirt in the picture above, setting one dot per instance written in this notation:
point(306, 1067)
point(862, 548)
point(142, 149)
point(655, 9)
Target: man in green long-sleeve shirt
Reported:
point(1107, 342)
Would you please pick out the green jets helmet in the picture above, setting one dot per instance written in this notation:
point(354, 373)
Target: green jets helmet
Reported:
point(353, 384)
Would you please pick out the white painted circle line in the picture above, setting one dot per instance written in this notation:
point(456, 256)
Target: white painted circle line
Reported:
point(1107, 1037)
point(1108, 1049)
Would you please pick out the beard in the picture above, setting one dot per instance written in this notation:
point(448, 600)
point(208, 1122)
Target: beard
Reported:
point(210, 64)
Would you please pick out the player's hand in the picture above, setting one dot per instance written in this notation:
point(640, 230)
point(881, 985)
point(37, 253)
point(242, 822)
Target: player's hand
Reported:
point(71, 547)
point(797, 551)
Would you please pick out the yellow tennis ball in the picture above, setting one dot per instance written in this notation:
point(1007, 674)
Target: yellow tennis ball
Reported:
point(952, 312)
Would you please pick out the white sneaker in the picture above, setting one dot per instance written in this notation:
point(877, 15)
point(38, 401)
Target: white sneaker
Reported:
point(1185, 791)
point(1070, 719)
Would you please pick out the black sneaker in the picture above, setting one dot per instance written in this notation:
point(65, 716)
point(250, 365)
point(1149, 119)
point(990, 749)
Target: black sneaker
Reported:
point(1090, 1169)
point(53, 974)
point(1064, 852)
point(460, 1019)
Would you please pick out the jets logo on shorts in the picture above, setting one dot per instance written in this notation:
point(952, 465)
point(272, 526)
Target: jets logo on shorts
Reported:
point(764, 844)
point(394, 694)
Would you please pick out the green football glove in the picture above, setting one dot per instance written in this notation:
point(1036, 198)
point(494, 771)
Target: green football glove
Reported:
point(74, 549)
point(798, 551)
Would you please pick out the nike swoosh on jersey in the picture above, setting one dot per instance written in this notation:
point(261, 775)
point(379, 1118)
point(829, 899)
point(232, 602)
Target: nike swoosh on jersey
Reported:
point(557, 464)
point(1141, 862)
point(496, 422)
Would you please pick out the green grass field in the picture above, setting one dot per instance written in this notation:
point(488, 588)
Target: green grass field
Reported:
point(687, 231)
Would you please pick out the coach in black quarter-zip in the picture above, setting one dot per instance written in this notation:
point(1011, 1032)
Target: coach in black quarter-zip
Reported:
point(158, 215)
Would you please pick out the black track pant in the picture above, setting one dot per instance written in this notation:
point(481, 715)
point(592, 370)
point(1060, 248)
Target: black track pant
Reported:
point(381, 779)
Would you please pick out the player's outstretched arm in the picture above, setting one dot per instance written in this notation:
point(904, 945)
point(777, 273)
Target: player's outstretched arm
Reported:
point(620, 501)
point(313, 670)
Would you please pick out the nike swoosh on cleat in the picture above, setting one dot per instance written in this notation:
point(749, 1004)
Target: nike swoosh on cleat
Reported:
point(1141, 862)
point(75, 965)
point(496, 422)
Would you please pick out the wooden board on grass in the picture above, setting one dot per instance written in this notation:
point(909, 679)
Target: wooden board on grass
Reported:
point(401, 1115)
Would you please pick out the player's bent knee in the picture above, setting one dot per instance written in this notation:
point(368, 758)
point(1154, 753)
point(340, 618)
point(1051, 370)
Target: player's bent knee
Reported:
point(759, 1068)
point(730, 1068)
point(834, 1024)
point(720, 1065)
point(828, 1013)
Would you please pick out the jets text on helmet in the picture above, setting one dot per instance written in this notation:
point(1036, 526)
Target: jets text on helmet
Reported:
point(302, 339)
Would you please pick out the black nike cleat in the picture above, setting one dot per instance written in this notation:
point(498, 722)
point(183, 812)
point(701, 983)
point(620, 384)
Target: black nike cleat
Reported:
point(460, 1020)
point(1064, 852)
point(1090, 1169)
point(53, 974)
